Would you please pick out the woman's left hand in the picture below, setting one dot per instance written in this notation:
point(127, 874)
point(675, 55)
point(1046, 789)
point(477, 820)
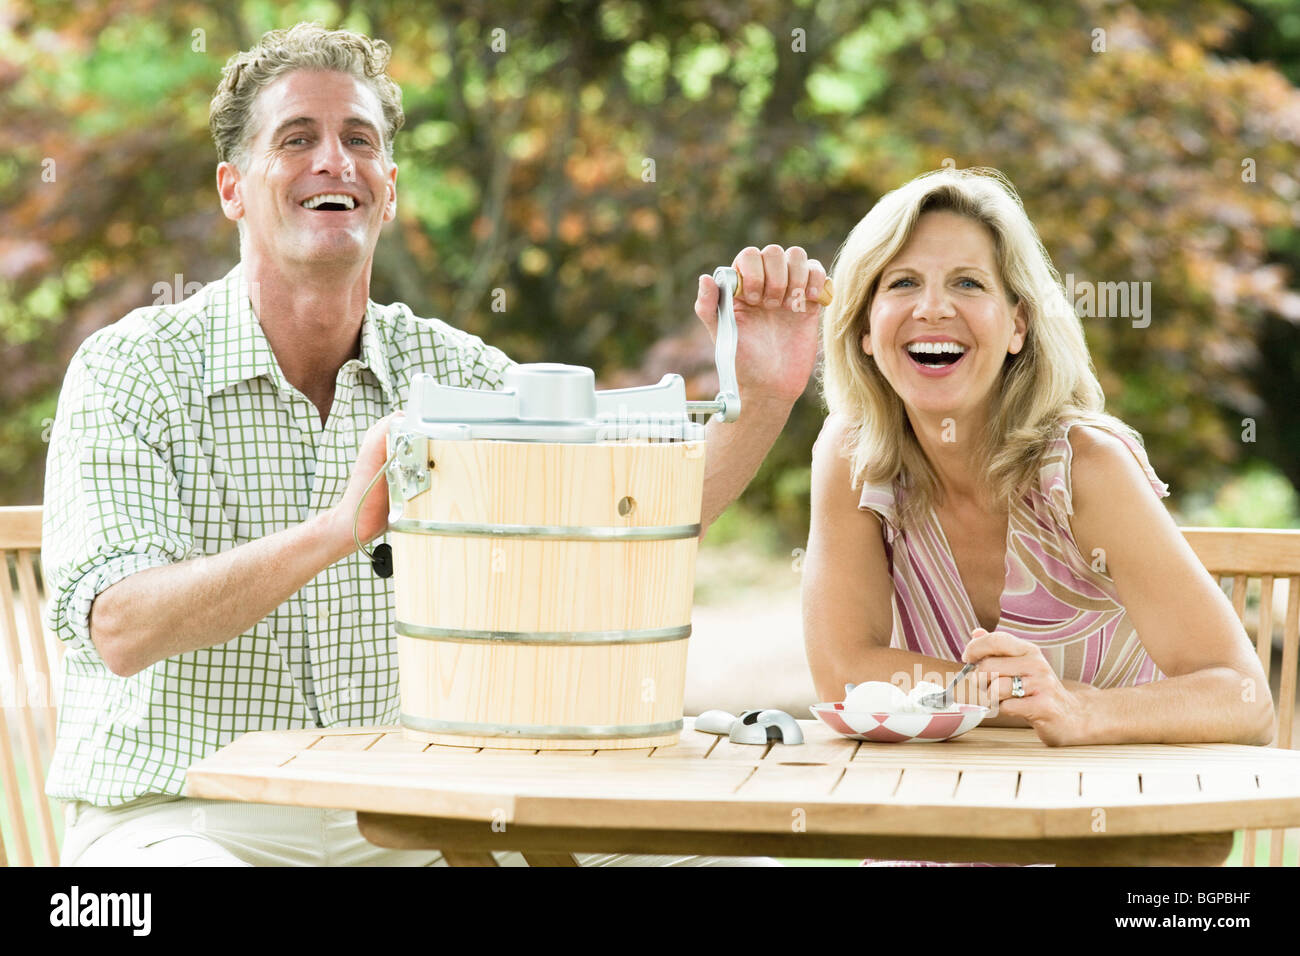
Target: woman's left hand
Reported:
point(1057, 711)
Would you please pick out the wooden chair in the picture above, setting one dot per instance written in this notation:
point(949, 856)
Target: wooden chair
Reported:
point(26, 692)
point(1238, 556)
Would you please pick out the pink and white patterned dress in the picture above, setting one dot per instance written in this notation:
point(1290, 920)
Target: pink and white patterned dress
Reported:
point(1054, 596)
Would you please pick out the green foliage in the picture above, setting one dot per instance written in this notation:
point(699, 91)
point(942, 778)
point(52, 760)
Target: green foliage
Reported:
point(1258, 498)
point(861, 67)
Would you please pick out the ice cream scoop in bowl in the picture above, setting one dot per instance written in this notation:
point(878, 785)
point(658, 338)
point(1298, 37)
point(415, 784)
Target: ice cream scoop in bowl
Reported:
point(883, 713)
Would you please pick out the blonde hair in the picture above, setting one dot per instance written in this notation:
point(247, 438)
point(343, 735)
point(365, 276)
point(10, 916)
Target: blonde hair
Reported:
point(1051, 379)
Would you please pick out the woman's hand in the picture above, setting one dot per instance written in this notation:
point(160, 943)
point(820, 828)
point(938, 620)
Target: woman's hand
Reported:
point(1058, 711)
point(776, 318)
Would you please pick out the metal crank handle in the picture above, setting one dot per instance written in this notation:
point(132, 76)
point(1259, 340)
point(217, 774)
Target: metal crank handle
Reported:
point(727, 404)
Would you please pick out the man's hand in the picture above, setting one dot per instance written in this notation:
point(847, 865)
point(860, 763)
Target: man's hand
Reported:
point(373, 520)
point(776, 318)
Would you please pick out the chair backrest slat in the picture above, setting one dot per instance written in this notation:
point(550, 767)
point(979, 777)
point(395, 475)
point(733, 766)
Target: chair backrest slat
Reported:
point(1239, 583)
point(20, 528)
point(1246, 550)
point(1290, 651)
point(28, 720)
point(1264, 633)
point(17, 670)
point(14, 797)
point(29, 599)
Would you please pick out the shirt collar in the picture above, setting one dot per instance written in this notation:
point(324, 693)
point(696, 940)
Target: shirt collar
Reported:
point(237, 349)
point(375, 333)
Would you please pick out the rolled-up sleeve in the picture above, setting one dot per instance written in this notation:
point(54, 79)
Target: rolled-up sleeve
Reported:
point(112, 499)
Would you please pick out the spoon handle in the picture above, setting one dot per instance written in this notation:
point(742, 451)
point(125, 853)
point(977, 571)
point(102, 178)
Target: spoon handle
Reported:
point(961, 674)
point(946, 698)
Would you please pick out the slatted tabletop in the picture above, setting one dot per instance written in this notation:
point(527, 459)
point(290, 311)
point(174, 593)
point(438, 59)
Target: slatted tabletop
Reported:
point(992, 794)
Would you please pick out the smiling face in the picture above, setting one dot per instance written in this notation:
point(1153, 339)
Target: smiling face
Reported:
point(941, 325)
point(314, 134)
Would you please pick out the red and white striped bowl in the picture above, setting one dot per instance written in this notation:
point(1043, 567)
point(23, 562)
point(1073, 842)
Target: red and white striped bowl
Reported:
point(899, 728)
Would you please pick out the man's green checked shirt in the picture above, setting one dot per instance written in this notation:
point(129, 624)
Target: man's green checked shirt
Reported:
point(177, 435)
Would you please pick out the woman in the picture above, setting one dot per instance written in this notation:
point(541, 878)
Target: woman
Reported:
point(972, 502)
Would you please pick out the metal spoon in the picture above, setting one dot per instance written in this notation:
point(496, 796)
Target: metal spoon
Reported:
point(944, 700)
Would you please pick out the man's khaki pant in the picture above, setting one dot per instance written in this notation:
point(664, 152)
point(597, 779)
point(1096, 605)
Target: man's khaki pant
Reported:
point(162, 830)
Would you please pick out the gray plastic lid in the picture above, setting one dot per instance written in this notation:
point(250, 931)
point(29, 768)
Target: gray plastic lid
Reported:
point(548, 402)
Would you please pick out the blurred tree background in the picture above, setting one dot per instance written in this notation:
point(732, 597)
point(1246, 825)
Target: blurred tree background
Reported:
point(592, 157)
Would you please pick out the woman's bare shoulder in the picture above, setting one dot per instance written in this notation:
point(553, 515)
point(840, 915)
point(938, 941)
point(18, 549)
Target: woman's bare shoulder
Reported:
point(835, 498)
point(832, 452)
point(838, 441)
point(1101, 461)
point(1108, 487)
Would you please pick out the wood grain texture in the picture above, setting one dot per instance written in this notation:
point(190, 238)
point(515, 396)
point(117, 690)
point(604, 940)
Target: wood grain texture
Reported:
point(994, 787)
point(540, 483)
point(20, 528)
point(1048, 787)
point(1245, 550)
point(1264, 634)
point(346, 742)
point(515, 684)
point(30, 597)
point(861, 785)
point(1001, 785)
point(790, 784)
point(691, 745)
point(28, 686)
point(20, 655)
point(520, 584)
point(423, 832)
point(22, 849)
point(527, 585)
point(1290, 656)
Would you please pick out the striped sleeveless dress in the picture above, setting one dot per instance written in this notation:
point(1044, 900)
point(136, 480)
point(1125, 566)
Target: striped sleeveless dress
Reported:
point(1054, 596)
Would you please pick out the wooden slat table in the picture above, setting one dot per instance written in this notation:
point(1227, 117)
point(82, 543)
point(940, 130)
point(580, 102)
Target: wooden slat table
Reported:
point(993, 795)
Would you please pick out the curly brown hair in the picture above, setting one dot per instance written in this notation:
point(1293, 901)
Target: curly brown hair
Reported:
point(305, 46)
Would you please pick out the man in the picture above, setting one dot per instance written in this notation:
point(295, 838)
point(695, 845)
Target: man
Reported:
point(207, 459)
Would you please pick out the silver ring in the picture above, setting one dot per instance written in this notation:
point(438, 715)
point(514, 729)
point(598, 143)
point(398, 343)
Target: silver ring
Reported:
point(1017, 687)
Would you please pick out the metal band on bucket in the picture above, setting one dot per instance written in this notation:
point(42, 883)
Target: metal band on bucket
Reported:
point(547, 531)
point(582, 731)
point(647, 635)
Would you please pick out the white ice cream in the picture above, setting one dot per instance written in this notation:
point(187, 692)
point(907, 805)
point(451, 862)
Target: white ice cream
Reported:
point(876, 696)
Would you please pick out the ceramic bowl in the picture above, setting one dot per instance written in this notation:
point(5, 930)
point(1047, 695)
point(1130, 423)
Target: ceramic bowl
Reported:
point(894, 728)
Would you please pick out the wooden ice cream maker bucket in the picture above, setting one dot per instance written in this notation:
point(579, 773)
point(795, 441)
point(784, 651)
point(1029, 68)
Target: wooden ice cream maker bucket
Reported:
point(544, 539)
